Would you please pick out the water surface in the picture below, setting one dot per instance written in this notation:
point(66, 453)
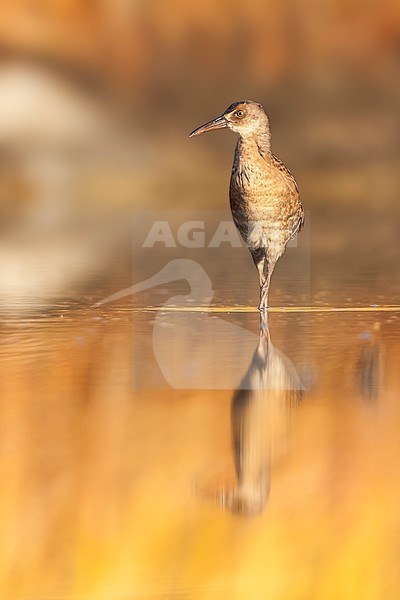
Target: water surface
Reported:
point(148, 454)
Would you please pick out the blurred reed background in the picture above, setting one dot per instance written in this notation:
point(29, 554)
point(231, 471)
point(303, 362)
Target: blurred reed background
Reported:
point(97, 98)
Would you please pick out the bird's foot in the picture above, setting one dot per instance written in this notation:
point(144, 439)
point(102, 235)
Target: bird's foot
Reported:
point(263, 307)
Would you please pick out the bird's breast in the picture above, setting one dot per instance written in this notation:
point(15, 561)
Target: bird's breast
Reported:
point(262, 204)
point(255, 195)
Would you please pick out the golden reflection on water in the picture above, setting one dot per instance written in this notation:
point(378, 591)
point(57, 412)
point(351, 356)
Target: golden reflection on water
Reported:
point(273, 309)
point(260, 418)
point(112, 489)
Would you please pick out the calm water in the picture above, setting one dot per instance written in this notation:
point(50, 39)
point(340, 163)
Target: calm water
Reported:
point(178, 454)
point(157, 446)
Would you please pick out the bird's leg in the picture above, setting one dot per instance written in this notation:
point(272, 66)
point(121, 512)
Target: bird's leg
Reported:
point(260, 268)
point(263, 280)
point(265, 283)
point(264, 293)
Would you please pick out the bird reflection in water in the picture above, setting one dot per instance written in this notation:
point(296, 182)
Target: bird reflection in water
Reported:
point(261, 413)
point(263, 403)
point(370, 366)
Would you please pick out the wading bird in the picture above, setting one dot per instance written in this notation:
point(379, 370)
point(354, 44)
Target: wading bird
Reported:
point(263, 194)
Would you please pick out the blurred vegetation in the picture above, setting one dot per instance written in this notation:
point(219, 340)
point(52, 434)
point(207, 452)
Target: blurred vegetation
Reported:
point(134, 46)
point(97, 98)
point(308, 62)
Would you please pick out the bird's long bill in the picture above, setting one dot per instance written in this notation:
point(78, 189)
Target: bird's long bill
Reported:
point(218, 123)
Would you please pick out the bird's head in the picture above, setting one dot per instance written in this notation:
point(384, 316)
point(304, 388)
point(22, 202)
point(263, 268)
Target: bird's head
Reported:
point(247, 118)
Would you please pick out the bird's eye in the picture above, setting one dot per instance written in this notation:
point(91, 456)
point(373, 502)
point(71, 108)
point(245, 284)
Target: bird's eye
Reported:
point(239, 114)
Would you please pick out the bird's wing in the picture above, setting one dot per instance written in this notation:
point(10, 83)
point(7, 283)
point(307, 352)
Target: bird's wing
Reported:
point(299, 217)
point(301, 220)
point(296, 222)
point(292, 183)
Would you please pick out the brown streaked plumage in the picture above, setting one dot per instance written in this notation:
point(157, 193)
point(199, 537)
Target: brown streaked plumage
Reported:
point(264, 196)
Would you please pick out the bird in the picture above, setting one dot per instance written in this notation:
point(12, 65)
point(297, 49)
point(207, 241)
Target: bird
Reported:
point(264, 196)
